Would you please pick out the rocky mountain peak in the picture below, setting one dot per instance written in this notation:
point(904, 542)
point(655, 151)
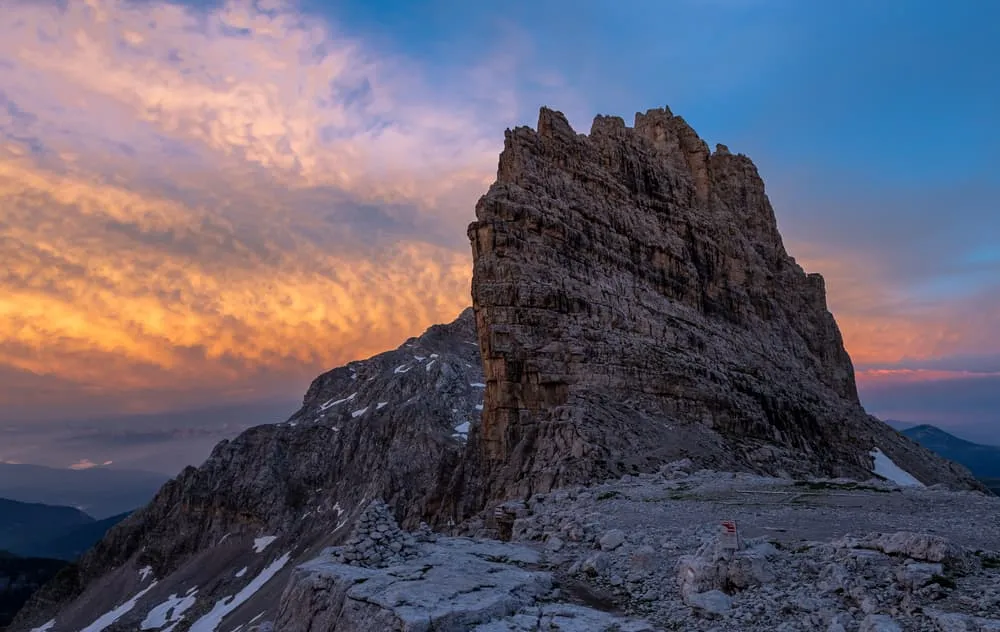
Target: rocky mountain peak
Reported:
point(634, 304)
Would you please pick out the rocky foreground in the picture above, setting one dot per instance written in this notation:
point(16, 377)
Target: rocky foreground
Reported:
point(645, 553)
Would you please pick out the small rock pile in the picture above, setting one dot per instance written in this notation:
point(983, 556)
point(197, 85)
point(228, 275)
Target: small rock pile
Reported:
point(377, 540)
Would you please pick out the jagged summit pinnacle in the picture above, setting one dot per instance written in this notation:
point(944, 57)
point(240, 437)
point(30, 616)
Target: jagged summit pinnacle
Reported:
point(635, 303)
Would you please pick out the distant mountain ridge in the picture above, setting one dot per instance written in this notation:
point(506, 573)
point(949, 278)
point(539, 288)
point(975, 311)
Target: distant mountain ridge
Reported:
point(49, 531)
point(982, 460)
point(21, 524)
point(100, 492)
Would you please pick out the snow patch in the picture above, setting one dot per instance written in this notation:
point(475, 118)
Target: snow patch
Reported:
point(479, 406)
point(434, 355)
point(45, 627)
point(428, 366)
point(358, 413)
point(170, 611)
point(145, 572)
point(332, 403)
point(210, 622)
point(381, 405)
point(402, 368)
point(261, 543)
point(108, 618)
point(885, 468)
point(462, 430)
point(340, 512)
point(477, 385)
point(242, 571)
point(419, 358)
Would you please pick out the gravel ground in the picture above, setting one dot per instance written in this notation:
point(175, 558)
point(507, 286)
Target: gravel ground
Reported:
point(815, 555)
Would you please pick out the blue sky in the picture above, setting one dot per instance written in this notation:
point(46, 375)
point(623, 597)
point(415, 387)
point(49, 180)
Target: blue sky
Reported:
point(204, 203)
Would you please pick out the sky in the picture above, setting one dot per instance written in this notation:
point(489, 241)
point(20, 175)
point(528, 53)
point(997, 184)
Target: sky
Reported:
point(210, 203)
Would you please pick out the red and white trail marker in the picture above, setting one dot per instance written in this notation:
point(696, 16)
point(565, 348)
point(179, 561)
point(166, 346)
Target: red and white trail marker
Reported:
point(730, 536)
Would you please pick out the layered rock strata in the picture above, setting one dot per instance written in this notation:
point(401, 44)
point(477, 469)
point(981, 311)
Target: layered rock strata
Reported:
point(635, 304)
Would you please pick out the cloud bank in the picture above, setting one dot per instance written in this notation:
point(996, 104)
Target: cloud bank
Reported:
point(224, 199)
point(202, 204)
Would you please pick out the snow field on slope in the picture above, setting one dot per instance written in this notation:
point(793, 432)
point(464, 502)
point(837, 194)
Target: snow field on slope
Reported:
point(210, 621)
point(885, 468)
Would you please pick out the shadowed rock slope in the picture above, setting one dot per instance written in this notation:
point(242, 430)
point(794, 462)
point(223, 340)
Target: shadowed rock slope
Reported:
point(635, 304)
point(392, 427)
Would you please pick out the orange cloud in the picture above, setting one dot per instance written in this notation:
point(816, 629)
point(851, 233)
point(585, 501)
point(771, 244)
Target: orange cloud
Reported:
point(182, 209)
point(882, 323)
point(224, 200)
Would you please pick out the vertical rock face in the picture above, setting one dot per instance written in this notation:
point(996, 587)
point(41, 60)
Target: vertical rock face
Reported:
point(634, 303)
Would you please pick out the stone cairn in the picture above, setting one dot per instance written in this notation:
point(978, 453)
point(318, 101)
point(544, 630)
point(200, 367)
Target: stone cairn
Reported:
point(377, 540)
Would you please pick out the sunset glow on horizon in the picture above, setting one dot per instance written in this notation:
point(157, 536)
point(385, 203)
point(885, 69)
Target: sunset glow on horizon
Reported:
point(216, 201)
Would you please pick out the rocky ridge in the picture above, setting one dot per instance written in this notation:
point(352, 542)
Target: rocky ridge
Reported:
point(393, 427)
point(635, 304)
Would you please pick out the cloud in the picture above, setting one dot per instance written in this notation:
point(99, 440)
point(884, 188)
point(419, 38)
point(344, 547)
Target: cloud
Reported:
point(83, 464)
point(215, 204)
point(225, 200)
point(912, 271)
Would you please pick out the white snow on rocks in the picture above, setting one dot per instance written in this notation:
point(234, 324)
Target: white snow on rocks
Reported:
point(243, 571)
point(479, 406)
point(381, 405)
point(108, 618)
point(477, 385)
point(210, 621)
point(885, 468)
point(429, 365)
point(419, 358)
point(402, 368)
point(45, 627)
point(261, 543)
point(332, 403)
point(357, 413)
point(170, 611)
point(145, 572)
point(462, 430)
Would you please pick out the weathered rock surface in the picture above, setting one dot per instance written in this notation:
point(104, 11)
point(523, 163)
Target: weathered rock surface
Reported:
point(635, 304)
point(821, 555)
point(392, 427)
point(453, 585)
